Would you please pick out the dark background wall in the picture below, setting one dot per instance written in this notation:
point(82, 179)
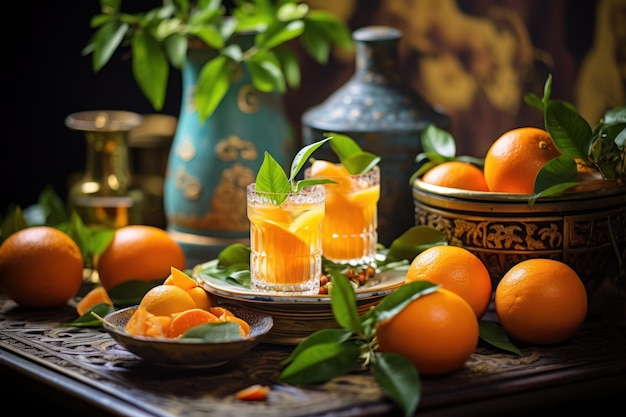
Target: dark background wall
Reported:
point(45, 78)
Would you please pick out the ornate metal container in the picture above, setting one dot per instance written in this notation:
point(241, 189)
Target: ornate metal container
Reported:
point(379, 110)
point(586, 230)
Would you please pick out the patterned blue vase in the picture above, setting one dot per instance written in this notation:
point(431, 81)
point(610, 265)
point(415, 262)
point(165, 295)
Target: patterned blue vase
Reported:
point(378, 109)
point(211, 163)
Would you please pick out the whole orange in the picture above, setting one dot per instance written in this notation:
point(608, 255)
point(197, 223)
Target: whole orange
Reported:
point(541, 301)
point(455, 269)
point(40, 267)
point(456, 174)
point(514, 159)
point(139, 252)
point(437, 332)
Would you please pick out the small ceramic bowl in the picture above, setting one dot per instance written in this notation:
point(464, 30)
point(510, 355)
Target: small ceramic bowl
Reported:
point(188, 353)
point(586, 230)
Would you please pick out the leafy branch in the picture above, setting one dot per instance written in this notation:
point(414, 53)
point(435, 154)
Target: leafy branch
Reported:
point(159, 38)
point(601, 149)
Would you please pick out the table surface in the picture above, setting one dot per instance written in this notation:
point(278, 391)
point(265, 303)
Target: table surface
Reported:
point(86, 366)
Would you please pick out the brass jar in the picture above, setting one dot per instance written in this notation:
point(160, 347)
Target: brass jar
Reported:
point(586, 230)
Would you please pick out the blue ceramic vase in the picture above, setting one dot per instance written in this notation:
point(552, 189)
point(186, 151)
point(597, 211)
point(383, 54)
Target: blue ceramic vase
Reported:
point(211, 162)
point(378, 109)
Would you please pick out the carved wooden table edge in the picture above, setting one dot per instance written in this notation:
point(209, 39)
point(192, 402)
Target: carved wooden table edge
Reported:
point(88, 364)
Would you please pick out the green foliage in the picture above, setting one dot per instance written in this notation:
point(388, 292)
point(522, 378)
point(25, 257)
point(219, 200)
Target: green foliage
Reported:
point(438, 146)
point(50, 210)
point(602, 148)
point(273, 181)
point(158, 40)
point(92, 317)
point(329, 353)
point(351, 156)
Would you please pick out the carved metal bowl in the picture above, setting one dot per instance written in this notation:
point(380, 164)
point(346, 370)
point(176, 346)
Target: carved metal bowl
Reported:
point(586, 230)
point(188, 353)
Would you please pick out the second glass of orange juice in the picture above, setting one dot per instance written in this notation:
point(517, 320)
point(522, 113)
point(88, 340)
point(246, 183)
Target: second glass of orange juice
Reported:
point(350, 226)
point(285, 240)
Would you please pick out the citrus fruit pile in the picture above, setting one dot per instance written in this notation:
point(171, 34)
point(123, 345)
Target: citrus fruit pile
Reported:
point(538, 301)
point(510, 164)
point(170, 309)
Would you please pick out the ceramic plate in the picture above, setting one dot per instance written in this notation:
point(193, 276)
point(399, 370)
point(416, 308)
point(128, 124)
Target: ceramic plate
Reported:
point(188, 353)
point(378, 286)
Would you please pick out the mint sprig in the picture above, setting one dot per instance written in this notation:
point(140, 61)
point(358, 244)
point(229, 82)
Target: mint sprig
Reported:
point(272, 178)
point(351, 156)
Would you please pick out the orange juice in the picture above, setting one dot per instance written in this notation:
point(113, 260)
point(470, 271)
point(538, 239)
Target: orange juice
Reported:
point(285, 241)
point(350, 226)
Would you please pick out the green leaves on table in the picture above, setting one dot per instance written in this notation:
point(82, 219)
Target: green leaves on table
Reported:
point(329, 353)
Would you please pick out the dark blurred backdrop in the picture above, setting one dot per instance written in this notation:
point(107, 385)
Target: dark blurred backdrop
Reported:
point(45, 77)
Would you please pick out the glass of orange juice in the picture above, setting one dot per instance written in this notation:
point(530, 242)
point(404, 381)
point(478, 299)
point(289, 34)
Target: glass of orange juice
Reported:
point(350, 226)
point(285, 240)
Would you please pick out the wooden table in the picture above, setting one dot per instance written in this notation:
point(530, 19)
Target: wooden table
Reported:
point(48, 367)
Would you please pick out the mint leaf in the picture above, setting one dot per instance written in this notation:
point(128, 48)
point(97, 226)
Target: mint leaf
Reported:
point(303, 156)
point(273, 180)
point(350, 154)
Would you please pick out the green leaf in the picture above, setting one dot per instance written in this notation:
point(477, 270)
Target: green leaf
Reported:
point(266, 74)
point(150, 68)
point(302, 158)
point(556, 171)
point(288, 60)
point(13, 222)
point(319, 337)
point(278, 33)
point(214, 332)
point(438, 141)
point(56, 211)
point(570, 132)
point(176, 50)
point(343, 302)
point(236, 253)
point(394, 302)
point(330, 27)
point(320, 363)
point(106, 40)
point(129, 293)
point(615, 116)
point(316, 45)
point(214, 81)
point(493, 333)
point(209, 35)
point(350, 154)
point(414, 241)
point(272, 179)
point(399, 380)
point(89, 320)
point(554, 190)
